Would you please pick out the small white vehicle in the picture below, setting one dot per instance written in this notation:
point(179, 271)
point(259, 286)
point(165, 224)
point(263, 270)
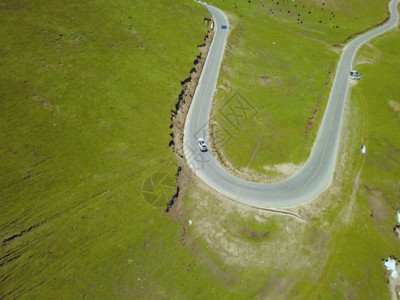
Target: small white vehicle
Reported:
point(202, 145)
point(355, 75)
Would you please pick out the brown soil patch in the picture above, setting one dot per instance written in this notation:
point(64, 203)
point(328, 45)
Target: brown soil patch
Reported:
point(378, 208)
point(265, 80)
point(396, 231)
point(379, 211)
point(254, 235)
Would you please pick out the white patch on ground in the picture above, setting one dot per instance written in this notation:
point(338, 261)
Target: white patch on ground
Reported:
point(353, 82)
point(395, 105)
point(259, 218)
point(393, 266)
point(288, 169)
point(363, 149)
point(280, 171)
point(398, 217)
point(390, 265)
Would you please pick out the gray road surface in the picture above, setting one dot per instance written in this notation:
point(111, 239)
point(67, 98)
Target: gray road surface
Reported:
point(316, 175)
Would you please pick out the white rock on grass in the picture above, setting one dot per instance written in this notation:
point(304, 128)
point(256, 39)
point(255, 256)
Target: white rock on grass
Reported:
point(363, 149)
point(390, 265)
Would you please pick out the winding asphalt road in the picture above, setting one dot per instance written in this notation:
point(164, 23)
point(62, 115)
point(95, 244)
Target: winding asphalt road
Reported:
point(316, 175)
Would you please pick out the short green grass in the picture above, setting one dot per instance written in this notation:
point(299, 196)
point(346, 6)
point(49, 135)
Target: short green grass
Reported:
point(323, 258)
point(344, 247)
point(354, 267)
point(378, 92)
point(331, 256)
point(285, 70)
point(85, 98)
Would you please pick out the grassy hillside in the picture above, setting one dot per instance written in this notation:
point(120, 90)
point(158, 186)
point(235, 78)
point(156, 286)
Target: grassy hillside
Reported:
point(337, 252)
point(357, 248)
point(378, 99)
point(284, 68)
point(85, 96)
point(86, 92)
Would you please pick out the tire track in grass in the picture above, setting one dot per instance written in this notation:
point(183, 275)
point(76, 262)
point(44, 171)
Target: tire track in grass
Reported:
point(255, 150)
point(360, 164)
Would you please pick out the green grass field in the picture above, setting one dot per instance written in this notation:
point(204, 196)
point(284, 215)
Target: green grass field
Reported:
point(285, 70)
point(337, 253)
point(378, 95)
point(86, 92)
point(85, 100)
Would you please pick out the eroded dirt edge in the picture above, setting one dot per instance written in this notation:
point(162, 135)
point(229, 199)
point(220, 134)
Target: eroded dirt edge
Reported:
point(184, 174)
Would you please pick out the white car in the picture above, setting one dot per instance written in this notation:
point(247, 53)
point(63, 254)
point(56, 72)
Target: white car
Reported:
point(356, 75)
point(202, 145)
